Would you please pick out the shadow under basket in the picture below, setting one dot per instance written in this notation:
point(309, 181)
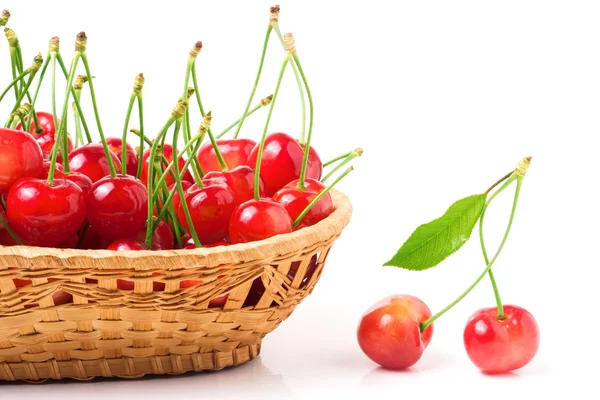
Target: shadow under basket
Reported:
point(82, 314)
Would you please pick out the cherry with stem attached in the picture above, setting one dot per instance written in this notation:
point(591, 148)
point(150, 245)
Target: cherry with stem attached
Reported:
point(138, 84)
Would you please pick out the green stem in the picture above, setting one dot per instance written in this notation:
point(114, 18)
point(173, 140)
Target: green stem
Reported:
point(320, 196)
point(40, 80)
point(54, 114)
point(261, 146)
point(196, 169)
point(256, 81)
point(13, 67)
point(310, 126)
point(230, 127)
point(62, 123)
point(141, 147)
point(425, 324)
point(124, 137)
point(181, 193)
point(12, 233)
point(76, 98)
point(484, 251)
point(22, 94)
point(111, 166)
point(351, 156)
point(78, 132)
point(150, 180)
point(13, 84)
point(336, 159)
point(300, 88)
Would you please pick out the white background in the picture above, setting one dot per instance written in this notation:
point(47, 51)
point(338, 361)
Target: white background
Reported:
point(444, 97)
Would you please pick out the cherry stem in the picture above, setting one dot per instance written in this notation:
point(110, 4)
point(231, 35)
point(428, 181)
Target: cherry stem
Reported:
point(519, 180)
point(499, 181)
point(140, 102)
point(320, 196)
point(150, 183)
point(262, 104)
point(13, 67)
point(54, 113)
point(351, 156)
point(181, 193)
point(310, 126)
point(124, 136)
point(196, 169)
point(336, 159)
point(76, 98)
point(261, 146)
point(37, 90)
point(300, 87)
point(12, 233)
point(256, 81)
point(14, 84)
point(483, 249)
point(111, 166)
point(25, 89)
point(62, 123)
point(78, 132)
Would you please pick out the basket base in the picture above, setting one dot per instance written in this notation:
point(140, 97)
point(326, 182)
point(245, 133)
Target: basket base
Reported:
point(127, 367)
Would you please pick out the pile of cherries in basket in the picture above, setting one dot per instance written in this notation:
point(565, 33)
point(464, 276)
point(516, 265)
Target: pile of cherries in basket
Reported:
point(108, 194)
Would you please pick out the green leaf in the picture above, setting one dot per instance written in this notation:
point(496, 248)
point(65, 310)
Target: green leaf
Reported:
point(433, 242)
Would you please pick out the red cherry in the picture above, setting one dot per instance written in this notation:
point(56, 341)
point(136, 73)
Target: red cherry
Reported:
point(255, 293)
point(80, 180)
point(125, 245)
point(240, 180)
point(167, 151)
point(90, 160)
point(20, 157)
point(257, 220)
point(131, 159)
point(7, 240)
point(117, 207)
point(58, 170)
point(46, 142)
point(310, 271)
point(162, 238)
point(499, 346)
point(176, 201)
point(45, 215)
point(295, 201)
point(91, 241)
point(45, 121)
point(210, 208)
point(282, 162)
point(3, 219)
point(389, 332)
point(235, 152)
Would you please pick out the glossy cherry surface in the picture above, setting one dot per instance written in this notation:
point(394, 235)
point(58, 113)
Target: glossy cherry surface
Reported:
point(90, 160)
point(167, 152)
point(282, 162)
point(162, 238)
point(389, 331)
point(80, 180)
point(235, 152)
point(20, 157)
point(210, 208)
point(240, 180)
point(125, 245)
point(45, 215)
point(117, 207)
point(295, 201)
point(257, 220)
point(46, 136)
point(131, 159)
point(499, 346)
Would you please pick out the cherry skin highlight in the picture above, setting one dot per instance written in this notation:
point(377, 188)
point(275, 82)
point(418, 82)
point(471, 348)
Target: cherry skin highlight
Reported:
point(499, 346)
point(117, 207)
point(240, 180)
point(295, 201)
point(235, 152)
point(125, 245)
point(282, 162)
point(257, 220)
point(45, 215)
point(20, 157)
point(90, 160)
point(210, 209)
point(46, 138)
point(131, 159)
point(389, 331)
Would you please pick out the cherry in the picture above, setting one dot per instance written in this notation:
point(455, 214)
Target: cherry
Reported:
point(240, 180)
point(210, 209)
point(162, 238)
point(176, 201)
point(125, 245)
point(257, 220)
point(2, 218)
point(80, 180)
point(20, 157)
point(255, 293)
point(499, 346)
point(92, 241)
point(46, 137)
point(7, 240)
point(117, 206)
point(310, 271)
point(58, 170)
point(45, 215)
point(90, 160)
point(282, 162)
point(131, 159)
point(389, 332)
point(235, 152)
point(295, 201)
point(167, 152)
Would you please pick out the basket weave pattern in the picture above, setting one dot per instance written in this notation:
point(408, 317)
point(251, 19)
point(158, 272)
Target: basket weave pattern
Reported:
point(108, 332)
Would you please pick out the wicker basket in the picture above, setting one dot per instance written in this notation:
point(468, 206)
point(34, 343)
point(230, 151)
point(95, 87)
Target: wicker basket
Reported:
point(108, 332)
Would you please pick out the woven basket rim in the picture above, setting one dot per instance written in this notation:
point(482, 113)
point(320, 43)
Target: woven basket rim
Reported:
point(45, 257)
